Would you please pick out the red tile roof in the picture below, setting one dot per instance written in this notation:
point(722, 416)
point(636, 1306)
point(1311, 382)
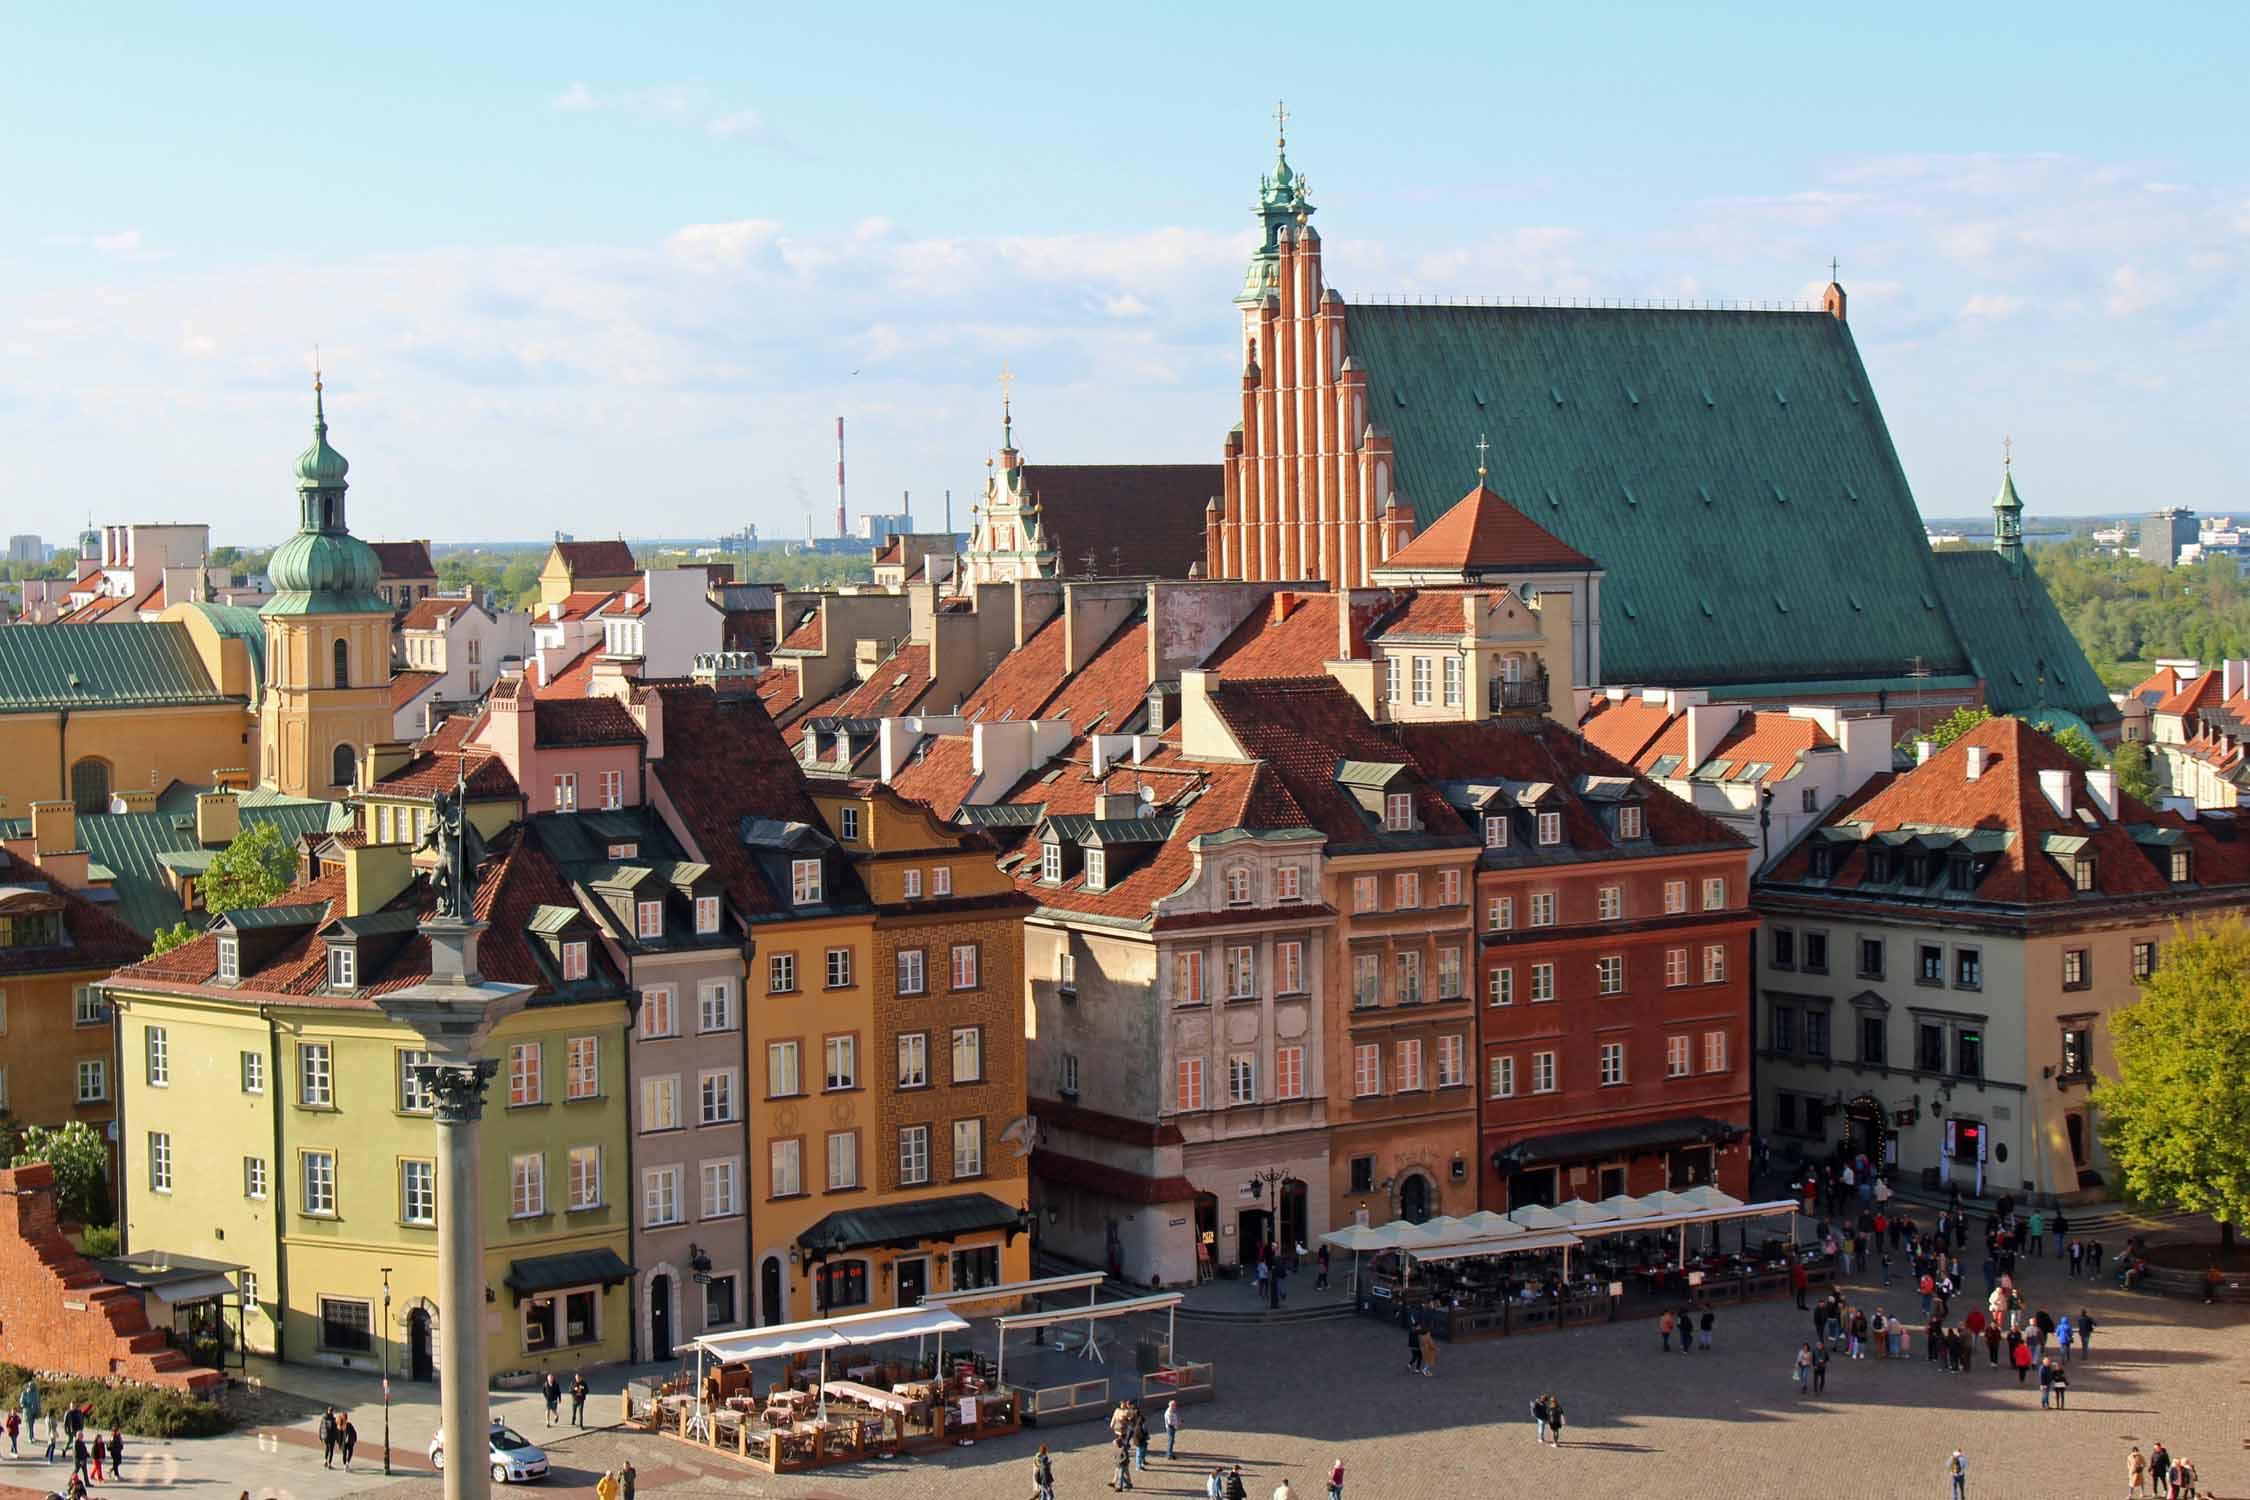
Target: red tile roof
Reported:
point(1303, 727)
point(1124, 520)
point(1293, 635)
point(98, 940)
point(408, 686)
point(723, 761)
point(1625, 728)
point(779, 688)
point(2161, 683)
point(2201, 691)
point(572, 680)
point(433, 612)
point(404, 559)
point(939, 774)
point(1103, 695)
point(580, 604)
point(1487, 751)
point(895, 687)
point(1024, 679)
point(568, 722)
point(439, 761)
point(1482, 531)
point(805, 635)
point(597, 559)
point(1428, 612)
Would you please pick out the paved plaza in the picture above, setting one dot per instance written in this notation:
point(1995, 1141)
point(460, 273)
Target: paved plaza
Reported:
point(1293, 1398)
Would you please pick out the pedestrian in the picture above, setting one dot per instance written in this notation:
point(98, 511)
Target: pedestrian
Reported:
point(76, 1490)
point(1282, 1491)
point(2022, 1359)
point(2063, 1331)
point(628, 1481)
point(605, 1488)
point(1539, 1417)
point(1336, 1480)
point(1140, 1442)
point(2062, 1387)
point(2046, 1383)
point(328, 1438)
point(1554, 1418)
point(1703, 1329)
point(1957, 1469)
point(2159, 1469)
point(578, 1399)
point(1215, 1488)
point(550, 1391)
point(1664, 1331)
point(116, 1454)
point(2062, 1231)
point(2085, 1334)
point(1172, 1425)
point(2036, 1241)
point(1320, 1278)
point(1798, 1281)
point(2136, 1474)
point(1820, 1369)
point(347, 1438)
point(1802, 1365)
point(1121, 1462)
point(94, 1474)
point(78, 1455)
point(1413, 1347)
point(27, 1402)
point(1236, 1490)
point(1042, 1475)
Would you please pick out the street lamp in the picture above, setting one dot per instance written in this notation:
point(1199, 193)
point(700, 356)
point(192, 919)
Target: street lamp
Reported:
point(386, 1369)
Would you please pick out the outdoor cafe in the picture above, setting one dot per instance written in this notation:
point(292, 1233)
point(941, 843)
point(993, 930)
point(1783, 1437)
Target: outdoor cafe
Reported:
point(1487, 1275)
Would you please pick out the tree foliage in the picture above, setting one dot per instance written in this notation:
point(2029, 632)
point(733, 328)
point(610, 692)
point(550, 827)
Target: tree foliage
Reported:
point(168, 938)
point(252, 870)
point(2136, 771)
point(2080, 745)
point(2126, 612)
point(2176, 1118)
point(80, 1158)
point(1949, 729)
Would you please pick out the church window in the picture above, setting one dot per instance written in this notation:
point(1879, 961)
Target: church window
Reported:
point(344, 767)
point(89, 785)
point(343, 663)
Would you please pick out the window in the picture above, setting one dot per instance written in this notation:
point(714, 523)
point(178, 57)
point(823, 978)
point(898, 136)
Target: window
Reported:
point(1874, 1039)
point(804, 882)
point(613, 790)
point(1628, 822)
point(1542, 1072)
point(1366, 893)
point(718, 1302)
point(1714, 1052)
point(1452, 681)
point(159, 1062)
point(347, 1326)
point(87, 1008)
point(839, 968)
point(2082, 873)
point(1810, 801)
point(1675, 966)
point(941, 881)
point(1968, 1053)
point(706, 914)
point(1406, 891)
point(1242, 972)
point(1449, 973)
point(914, 1060)
point(527, 1185)
point(1500, 986)
point(660, 1196)
point(977, 1267)
point(1409, 977)
point(785, 1169)
point(840, 1060)
point(417, 1192)
point(1398, 812)
point(714, 1006)
point(316, 1087)
point(782, 1078)
point(648, 919)
point(2076, 972)
point(1613, 1064)
point(843, 1160)
point(1679, 1056)
point(1363, 1174)
point(1500, 1077)
point(1050, 863)
point(914, 1154)
point(2181, 867)
point(1070, 1075)
point(964, 966)
point(159, 1161)
point(1407, 1063)
point(1449, 1062)
point(253, 1072)
point(1610, 903)
point(93, 1080)
point(1929, 1047)
point(254, 1177)
point(1289, 967)
point(1542, 982)
point(1449, 888)
point(1714, 963)
point(1238, 886)
point(843, 1283)
point(1871, 956)
point(1675, 897)
point(1187, 978)
point(968, 1054)
point(913, 885)
point(2078, 1052)
point(1242, 1078)
point(1421, 679)
point(566, 791)
point(319, 1195)
point(2144, 961)
point(1714, 893)
point(1390, 679)
point(847, 823)
point(1542, 908)
point(574, 960)
point(1550, 828)
point(1187, 1084)
point(1783, 945)
point(1816, 1032)
point(1930, 964)
point(720, 1185)
point(1288, 883)
point(1609, 975)
point(715, 1095)
point(1500, 913)
point(657, 1018)
point(1783, 1029)
point(1289, 1073)
point(968, 1148)
point(1968, 969)
point(1367, 1070)
point(1816, 953)
point(1367, 979)
point(524, 1082)
point(909, 972)
point(343, 766)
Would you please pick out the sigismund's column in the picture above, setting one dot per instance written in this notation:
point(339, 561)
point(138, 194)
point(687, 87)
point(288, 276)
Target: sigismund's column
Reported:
point(454, 1013)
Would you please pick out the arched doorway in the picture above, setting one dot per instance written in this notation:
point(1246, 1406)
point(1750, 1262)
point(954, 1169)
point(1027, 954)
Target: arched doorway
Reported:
point(1414, 1198)
point(769, 1291)
point(421, 1349)
point(89, 785)
point(1867, 1131)
point(660, 1317)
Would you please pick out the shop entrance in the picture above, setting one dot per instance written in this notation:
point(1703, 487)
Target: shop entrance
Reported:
point(1534, 1187)
point(1252, 1228)
point(1611, 1182)
point(769, 1291)
point(420, 1362)
point(1292, 1203)
point(913, 1281)
point(1414, 1198)
point(660, 1317)
point(1867, 1130)
point(1691, 1167)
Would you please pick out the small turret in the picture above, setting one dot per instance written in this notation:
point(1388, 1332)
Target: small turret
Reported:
point(2007, 511)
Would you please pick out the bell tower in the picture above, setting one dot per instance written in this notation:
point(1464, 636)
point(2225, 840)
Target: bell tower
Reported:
point(328, 639)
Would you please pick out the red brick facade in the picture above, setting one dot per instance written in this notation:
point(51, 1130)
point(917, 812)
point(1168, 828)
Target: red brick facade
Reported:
point(58, 1315)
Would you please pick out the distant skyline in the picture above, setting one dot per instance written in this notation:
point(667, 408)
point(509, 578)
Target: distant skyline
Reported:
point(598, 274)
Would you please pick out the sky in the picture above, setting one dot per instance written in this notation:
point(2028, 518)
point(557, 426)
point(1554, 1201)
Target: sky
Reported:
point(619, 269)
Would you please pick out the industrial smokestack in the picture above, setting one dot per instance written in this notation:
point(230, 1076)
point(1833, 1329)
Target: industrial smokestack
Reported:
point(840, 526)
point(949, 512)
point(906, 507)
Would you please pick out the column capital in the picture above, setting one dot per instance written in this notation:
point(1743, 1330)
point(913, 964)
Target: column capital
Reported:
point(457, 1089)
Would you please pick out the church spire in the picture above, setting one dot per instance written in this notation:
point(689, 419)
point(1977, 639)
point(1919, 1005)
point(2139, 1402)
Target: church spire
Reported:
point(1281, 202)
point(2007, 510)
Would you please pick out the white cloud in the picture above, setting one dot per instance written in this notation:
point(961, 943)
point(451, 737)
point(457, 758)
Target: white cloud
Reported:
point(1991, 306)
point(2131, 292)
point(576, 97)
point(723, 246)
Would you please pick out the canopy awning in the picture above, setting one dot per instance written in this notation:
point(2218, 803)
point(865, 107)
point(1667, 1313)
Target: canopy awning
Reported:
point(551, 1273)
point(1077, 1281)
point(1357, 1237)
point(904, 1225)
point(1613, 1140)
point(1156, 1303)
point(1516, 1245)
point(784, 1339)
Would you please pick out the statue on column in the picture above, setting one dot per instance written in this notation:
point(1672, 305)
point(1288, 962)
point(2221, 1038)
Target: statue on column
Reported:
point(448, 836)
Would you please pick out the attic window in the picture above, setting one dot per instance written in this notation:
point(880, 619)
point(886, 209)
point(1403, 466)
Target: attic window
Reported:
point(1097, 869)
point(230, 960)
point(1961, 874)
point(1629, 821)
point(1238, 886)
point(648, 919)
point(1917, 870)
point(574, 960)
point(343, 966)
point(1824, 862)
point(1496, 831)
point(1050, 862)
point(624, 851)
point(1550, 828)
point(2183, 869)
point(1882, 866)
point(1398, 812)
point(804, 882)
point(2082, 873)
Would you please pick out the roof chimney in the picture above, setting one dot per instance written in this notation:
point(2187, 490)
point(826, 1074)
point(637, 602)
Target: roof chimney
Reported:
point(2235, 677)
point(2101, 790)
point(218, 818)
point(1922, 748)
point(1975, 768)
point(54, 827)
point(2056, 784)
point(1118, 805)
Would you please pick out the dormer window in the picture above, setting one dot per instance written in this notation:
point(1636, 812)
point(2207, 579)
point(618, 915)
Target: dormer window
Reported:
point(706, 914)
point(1398, 812)
point(1097, 868)
point(1917, 870)
point(616, 851)
point(1496, 831)
point(1238, 886)
point(1550, 828)
point(2082, 873)
point(1050, 862)
point(343, 966)
point(2182, 867)
point(648, 919)
point(31, 929)
point(847, 823)
point(574, 960)
point(1288, 883)
point(1882, 865)
point(1629, 821)
point(1961, 874)
point(230, 960)
point(1824, 864)
point(804, 882)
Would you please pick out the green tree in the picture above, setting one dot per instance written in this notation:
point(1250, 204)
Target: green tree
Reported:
point(2136, 771)
point(2079, 744)
point(1951, 728)
point(168, 938)
point(2176, 1118)
point(251, 871)
point(80, 1158)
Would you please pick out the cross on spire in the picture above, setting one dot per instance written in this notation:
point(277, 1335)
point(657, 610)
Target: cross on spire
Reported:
point(1007, 411)
point(1831, 268)
point(1482, 445)
point(1280, 122)
point(2007, 453)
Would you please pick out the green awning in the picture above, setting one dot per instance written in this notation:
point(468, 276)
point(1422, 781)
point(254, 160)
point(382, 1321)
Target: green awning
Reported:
point(551, 1273)
point(907, 1224)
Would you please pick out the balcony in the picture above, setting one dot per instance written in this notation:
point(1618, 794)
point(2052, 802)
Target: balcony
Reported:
point(1520, 696)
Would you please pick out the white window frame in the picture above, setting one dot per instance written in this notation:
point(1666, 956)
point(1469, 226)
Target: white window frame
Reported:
point(1187, 1085)
point(718, 1184)
point(316, 1076)
point(1715, 1051)
point(912, 968)
point(848, 1177)
point(1543, 1074)
point(1679, 1055)
point(968, 1149)
point(911, 883)
point(913, 1155)
point(1714, 893)
point(660, 1196)
point(965, 966)
point(1495, 831)
point(968, 1040)
point(1452, 1050)
point(527, 1185)
point(1542, 983)
point(838, 968)
point(1609, 974)
point(417, 1191)
point(316, 1178)
point(913, 1059)
point(1609, 903)
point(1500, 1076)
point(159, 1059)
point(1613, 1065)
point(706, 914)
point(1550, 828)
point(1242, 1078)
point(160, 1161)
point(1367, 1070)
point(718, 1096)
point(714, 1006)
point(1500, 985)
point(804, 882)
point(839, 1063)
point(785, 1072)
point(1675, 897)
point(785, 1168)
point(1406, 1065)
point(255, 1184)
point(1289, 1072)
point(1542, 910)
point(648, 919)
point(527, 1080)
point(660, 1103)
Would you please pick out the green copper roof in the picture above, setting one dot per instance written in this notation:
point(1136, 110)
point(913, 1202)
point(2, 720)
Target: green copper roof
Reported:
point(242, 623)
point(325, 573)
point(2016, 639)
point(140, 665)
point(1730, 470)
point(2006, 499)
point(321, 467)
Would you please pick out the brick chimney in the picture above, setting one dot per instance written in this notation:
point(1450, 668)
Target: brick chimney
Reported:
point(373, 874)
point(54, 828)
point(218, 818)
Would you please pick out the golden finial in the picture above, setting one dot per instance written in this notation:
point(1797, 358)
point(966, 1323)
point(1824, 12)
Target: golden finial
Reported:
point(1280, 123)
point(2007, 453)
point(1482, 445)
point(316, 369)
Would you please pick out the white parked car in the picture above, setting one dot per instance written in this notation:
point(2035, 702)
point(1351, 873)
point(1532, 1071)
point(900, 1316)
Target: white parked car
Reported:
point(512, 1455)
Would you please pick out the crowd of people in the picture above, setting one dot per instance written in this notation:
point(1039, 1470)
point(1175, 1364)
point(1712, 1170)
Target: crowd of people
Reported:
point(71, 1435)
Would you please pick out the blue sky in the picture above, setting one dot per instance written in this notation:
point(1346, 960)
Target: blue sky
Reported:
point(609, 271)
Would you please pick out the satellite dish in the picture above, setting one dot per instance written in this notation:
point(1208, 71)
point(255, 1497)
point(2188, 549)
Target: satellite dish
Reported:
point(1022, 1133)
